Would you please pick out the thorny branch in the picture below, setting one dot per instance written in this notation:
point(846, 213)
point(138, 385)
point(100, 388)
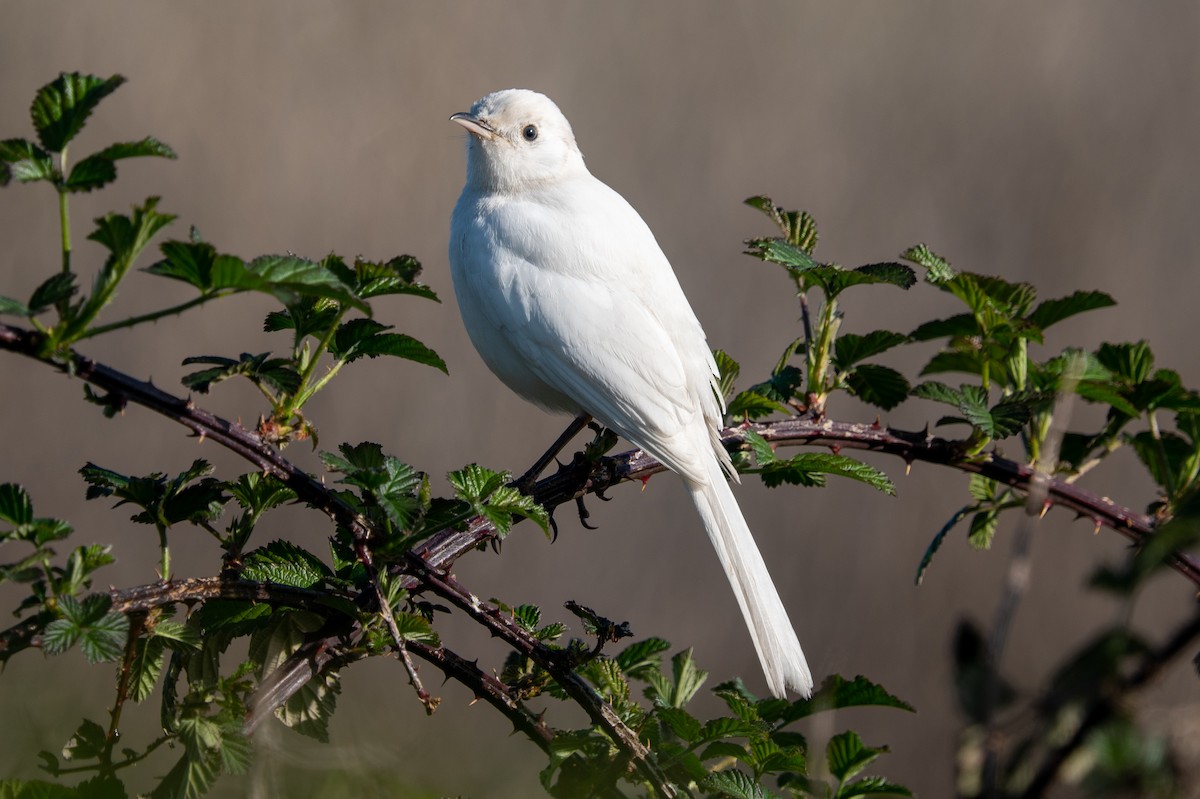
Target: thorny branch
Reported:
point(427, 565)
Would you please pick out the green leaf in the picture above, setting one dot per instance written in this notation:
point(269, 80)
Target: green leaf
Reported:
point(641, 657)
point(872, 786)
point(285, 563)
point(685, 680)
point(877, 385)
point(289, 277)
point(380, 278)
point(10, 307)
point(735, 784)
point(937, 268)
point(277, 373)
point(124, 237)
point(798, 227)
point(951, 327)
point(983, 529)
point(752, 405)
point(309, 710)
point(850, 348)
point(890, 272)
point(936, 543)
point(100, 634)
point(847, 756)
point(25, 161)
point(965, 361)
point(486, 492)
point(807, 469)
point(87, 743)
point(727, 371)
point(838, 692)
point(387, 482)
point(100, 168)
point(61, 107)
point(781, 252)
point(258, 492)
point(1050, 312)
point(680, 722)
point(938, 392)
point(15, 506)
point(58, 288)
point(361, 338)
point(1130, 363)
point(145, 668)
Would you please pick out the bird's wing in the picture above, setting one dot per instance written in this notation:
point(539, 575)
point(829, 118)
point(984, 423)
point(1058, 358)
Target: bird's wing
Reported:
point(601, 319)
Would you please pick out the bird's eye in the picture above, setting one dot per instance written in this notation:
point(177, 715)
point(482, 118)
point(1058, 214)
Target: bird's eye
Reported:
point(530, 132)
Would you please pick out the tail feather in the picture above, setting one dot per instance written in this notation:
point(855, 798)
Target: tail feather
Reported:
point(774, 638)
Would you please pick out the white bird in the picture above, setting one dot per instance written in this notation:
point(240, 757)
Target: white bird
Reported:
point(571, 303)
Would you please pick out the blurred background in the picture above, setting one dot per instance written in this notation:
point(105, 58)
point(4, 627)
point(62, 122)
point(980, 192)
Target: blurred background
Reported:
point(1054, 143)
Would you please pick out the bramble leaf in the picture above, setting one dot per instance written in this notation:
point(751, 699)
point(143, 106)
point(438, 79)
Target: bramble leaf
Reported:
point(61, 107)
point(850, 348)
point(1050, 312)
point(881, 386)
point(100, 168)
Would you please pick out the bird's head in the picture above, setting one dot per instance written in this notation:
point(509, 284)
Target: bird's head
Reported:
point(519, 140)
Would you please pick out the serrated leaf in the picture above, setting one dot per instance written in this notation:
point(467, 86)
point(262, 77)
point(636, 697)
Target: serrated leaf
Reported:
point(100, 168)
point(25, 161)
point(752, 405)
point(729, 727)
point(11, 307)
point(278, 374)
point(285, 563)
point(964, 361)
point(936, 543)
point(414, 627)
point(807, 469)
point(56, 289)
point(309, 710)
point(838, 692)
point(1129, 362)
point(850, 348)
point(937, 268)
point(378, 278)
point(289, 277)
point(735, 784)
point(16, 507)
point(872, 786)
point(87, 743)
point(727, 372)
point(877, 385)
point(781, 252)
point(145, 668)
point(983, 528)
point(798, 227)
point(889, 272)
point(951, 327)
point(364, 338)
point(642, 656)
point(1050, 312)
point(938, 392)
point(189, 261)
point(847, 756)
point(61, 107)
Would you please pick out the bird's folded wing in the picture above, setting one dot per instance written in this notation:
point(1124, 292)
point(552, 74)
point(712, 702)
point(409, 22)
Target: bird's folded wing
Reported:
point(600, 345)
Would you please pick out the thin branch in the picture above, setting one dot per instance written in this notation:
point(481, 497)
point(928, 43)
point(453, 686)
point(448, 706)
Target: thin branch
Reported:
point(1104, 706)
point(434, 556)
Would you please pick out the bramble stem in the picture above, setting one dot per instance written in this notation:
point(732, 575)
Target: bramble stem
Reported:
point(150, 317)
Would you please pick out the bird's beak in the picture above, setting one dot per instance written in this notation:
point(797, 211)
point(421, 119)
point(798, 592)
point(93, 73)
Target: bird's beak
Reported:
point(474, 125)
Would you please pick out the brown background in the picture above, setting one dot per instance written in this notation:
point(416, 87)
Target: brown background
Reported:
point(1052, 144)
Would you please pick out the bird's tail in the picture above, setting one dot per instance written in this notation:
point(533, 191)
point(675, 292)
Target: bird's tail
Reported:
point(778, 648)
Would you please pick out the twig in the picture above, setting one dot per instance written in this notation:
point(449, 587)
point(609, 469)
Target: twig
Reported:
point(1103, 707)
